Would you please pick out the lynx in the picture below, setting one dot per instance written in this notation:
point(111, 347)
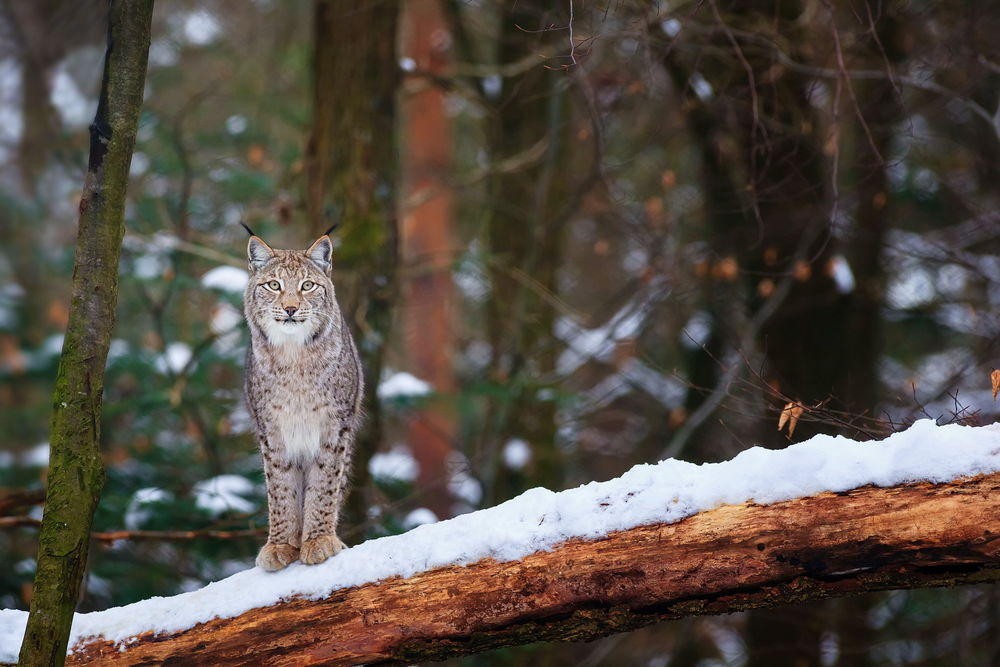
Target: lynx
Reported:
point(303, 389)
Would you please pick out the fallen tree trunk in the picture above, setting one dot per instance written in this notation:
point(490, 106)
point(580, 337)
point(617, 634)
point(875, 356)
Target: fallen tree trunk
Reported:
point(723, 560)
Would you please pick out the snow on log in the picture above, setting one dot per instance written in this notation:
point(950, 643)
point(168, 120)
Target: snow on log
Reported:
point(722, 560)
point(821, 518)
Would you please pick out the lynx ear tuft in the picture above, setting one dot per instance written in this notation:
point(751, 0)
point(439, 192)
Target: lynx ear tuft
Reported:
point(321, 253)
point(258, 253)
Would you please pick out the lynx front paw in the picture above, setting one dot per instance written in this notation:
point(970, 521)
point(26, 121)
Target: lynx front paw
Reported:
point(318, 549)
point(276, 556)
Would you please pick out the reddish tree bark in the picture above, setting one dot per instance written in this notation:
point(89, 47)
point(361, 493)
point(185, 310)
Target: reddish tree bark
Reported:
point(425, 211)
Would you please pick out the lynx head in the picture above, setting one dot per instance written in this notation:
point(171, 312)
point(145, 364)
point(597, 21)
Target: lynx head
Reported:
point(289, 297)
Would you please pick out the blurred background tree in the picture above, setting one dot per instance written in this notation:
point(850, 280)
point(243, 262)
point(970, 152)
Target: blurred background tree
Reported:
point(574, 237)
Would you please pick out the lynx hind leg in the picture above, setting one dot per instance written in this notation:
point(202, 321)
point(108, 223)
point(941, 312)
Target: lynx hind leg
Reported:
point(274, 557)
point(318, 549)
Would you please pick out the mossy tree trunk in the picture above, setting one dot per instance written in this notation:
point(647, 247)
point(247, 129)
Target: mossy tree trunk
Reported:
point(76, 471)
point(351, 181)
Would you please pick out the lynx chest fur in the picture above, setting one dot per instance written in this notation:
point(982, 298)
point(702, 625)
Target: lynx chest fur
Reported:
point(292, 395)
point(303, 387)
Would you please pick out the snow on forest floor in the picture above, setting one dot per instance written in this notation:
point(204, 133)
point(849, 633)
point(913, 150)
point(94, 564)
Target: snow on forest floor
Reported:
point(540, 519)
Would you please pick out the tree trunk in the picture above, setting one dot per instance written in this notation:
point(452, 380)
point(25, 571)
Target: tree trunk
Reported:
point(528, 215)
point(76, 471)
point(352, 160)
point(728, 559)
point(860, 386)
point(784, 259)
point(426, 229)
point(729, 231)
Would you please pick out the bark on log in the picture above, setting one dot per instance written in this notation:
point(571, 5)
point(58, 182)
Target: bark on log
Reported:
point(724, 560)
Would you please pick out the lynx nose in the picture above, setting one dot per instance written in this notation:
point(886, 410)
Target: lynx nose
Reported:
point(290, 310)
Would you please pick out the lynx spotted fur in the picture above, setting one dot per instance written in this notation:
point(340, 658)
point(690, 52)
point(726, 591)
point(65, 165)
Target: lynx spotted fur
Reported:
point(303, 389)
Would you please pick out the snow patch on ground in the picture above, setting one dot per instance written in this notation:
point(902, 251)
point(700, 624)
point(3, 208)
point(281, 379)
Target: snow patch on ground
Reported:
point(226, 278)
point(419, 517)
point(37, 456)
point(540, 519)
point(516, 454)
point(174, 358)
point(225, 323)
point(138, 512)
point(397, 463)
point(402, 385)
point(224, 493)
point(465, 487)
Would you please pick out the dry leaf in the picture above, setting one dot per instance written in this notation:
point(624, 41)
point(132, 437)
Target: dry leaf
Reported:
point(770, 255)
point(802, 271)
point(726, 269)
point(794, 419)
point(830, 147)
point(255, 155)
point(775, 72)
point(11, 356)
point(677, 417)
point(654, 208)
point(57, 314)
point(765, 287)
point(790, 415)
point(783, 419)
point(995, 379)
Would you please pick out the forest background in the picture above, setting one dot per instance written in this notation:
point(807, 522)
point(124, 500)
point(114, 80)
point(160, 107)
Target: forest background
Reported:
point(574, 236)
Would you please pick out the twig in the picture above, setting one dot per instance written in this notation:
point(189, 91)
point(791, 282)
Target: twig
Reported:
point(196, 249)
point(15, 498)
point(763, 314)
point(850, 87)
point(912, 82)
point(572, 44)
point(142, 535)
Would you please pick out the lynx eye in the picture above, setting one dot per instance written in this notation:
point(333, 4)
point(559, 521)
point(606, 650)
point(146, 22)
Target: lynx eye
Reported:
point(273, 285)
point(308, 286)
